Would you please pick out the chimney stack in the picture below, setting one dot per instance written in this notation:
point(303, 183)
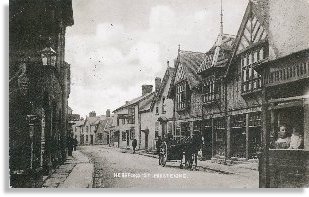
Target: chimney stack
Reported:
point(146, 89)
point(108, 113)
point(157, 83)
point(92, 114)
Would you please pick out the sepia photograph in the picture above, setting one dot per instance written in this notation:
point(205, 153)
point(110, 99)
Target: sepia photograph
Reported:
point(158, 94)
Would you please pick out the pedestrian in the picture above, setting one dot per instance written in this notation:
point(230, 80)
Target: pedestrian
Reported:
point(158, 145)
point(70, 145)
point(134, 144)
point(75, 143)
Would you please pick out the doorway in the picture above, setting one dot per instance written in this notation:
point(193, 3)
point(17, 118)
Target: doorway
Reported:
point(207, 146)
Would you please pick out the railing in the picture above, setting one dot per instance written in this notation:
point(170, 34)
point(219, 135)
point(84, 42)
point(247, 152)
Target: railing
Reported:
point(210, 97)
point(291, 73)
point(251, 85)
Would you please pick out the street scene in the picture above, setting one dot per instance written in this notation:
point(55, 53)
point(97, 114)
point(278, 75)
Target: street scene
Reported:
point(159, 94)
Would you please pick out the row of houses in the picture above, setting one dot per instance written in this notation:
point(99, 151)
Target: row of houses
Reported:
point(222, 94)
point(93, 130)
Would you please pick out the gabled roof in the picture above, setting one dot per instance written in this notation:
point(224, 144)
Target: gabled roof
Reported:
point(106, 123)
point(190, 61)
point(79, 123)
point(225, 49)
point(168, 73)
point(134, 101)
point(146, 103)
point(260, 8)
point(94, 120)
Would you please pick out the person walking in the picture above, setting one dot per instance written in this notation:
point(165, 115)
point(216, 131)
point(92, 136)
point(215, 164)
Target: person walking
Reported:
point(70, 145)
point(134, 144)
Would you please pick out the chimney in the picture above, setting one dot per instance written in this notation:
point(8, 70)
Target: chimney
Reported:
point(157, 83)
point(92, 114)
point(146, 89)
point(127, 102)
point(168, 63)
point(108, 113)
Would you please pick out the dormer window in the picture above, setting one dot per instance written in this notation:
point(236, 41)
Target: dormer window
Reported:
point(182, 95)
point(211, 90)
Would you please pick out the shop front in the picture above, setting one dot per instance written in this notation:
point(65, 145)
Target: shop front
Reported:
point(285, 158)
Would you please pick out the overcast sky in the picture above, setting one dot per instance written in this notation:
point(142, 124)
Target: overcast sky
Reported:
point(115, 46)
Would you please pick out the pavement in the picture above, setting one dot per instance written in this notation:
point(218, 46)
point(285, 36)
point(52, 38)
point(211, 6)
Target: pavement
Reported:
point(76, 172)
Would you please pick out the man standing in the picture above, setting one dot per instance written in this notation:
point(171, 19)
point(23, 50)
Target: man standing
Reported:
point(134, 144)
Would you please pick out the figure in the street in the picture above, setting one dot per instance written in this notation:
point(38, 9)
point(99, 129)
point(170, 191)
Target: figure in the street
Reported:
point(134, 144)
point(158, 144)
point(75, 143)
point(70, 145)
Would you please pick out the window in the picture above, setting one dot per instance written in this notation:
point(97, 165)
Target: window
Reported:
point(123, 136)
point(86, 138)
point(181, 96)
point(170, 127)
point(157, 129)
point(132, 134)
point(211, 90)
point(251, 80)
point(157, 110)
point(100, 136)
point(131, 112)
point(87, 129)
point(163, 105)
point(123, 121)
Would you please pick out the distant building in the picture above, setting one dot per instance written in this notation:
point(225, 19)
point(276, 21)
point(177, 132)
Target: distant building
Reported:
point(128, 122)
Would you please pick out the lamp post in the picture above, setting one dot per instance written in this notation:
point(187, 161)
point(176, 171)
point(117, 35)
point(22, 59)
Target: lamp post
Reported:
point(48, 56)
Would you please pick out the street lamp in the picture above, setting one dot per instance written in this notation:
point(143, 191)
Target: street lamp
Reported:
point(49, 56)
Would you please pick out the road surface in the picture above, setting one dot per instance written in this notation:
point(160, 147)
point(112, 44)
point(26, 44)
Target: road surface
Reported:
point(114, 168)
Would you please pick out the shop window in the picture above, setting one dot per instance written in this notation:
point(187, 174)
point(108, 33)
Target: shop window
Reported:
point(288, 129)
point(220, 135)
point(185, 129)
point(238, 121)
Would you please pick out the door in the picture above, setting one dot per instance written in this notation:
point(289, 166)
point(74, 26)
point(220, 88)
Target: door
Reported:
point(207, 146)
point(128, 138)
point(164, 128)
point(146, 141)
point(91, 139)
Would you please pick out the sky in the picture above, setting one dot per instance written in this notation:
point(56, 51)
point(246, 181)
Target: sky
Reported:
point(116, 46)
